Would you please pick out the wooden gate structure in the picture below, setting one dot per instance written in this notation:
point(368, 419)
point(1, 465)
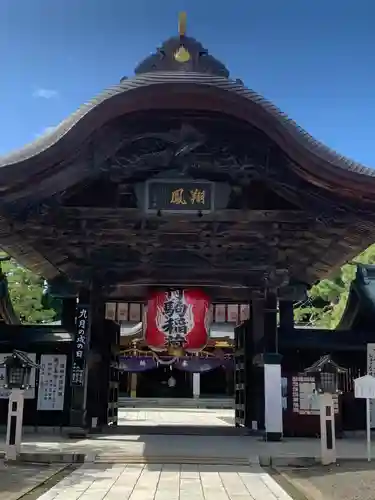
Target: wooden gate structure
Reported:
point(181, 176)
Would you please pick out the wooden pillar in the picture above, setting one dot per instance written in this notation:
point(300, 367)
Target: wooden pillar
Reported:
point(99, 369)
point(90, 361)
point(257, 386)
point(273, 412)
point(249, 375)
point(271, 343)
point(81, 346)
point(267, 370)
point(245, 404)
point(286, 313)
point(240, 377)
point(133, 385)
point(229, 376)
point(68, 313)
point(257, 321)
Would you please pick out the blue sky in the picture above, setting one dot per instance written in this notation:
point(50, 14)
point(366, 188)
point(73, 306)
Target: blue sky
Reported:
point(315, 59)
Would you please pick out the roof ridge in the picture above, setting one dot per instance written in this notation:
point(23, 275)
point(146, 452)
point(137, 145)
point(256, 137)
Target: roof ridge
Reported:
point(157, 78)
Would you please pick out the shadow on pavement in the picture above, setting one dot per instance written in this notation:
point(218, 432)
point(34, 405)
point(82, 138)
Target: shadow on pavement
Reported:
point(18, 479)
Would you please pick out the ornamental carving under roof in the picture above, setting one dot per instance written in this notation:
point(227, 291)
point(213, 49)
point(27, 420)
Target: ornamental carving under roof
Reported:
point(182, 53)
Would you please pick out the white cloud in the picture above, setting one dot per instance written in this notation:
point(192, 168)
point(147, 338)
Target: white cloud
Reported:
point(48, 130)
point(45, 93)
point(45, 131)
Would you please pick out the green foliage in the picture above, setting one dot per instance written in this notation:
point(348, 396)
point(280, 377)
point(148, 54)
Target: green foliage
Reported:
point(327, 299)
point(27, 292)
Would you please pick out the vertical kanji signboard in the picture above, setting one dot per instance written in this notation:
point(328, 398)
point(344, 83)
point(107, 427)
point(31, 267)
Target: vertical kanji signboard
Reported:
point(80, 346)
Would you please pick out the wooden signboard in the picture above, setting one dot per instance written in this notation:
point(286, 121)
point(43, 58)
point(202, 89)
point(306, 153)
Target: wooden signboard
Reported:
point(179, 196)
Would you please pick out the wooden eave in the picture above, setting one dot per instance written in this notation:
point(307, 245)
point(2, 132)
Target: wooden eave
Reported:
point(314, 161)
point(360, 306)
point(56, 162)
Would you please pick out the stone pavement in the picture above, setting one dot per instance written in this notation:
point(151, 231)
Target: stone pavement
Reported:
point(159, 447)
point(176, 416)
point(166, 482)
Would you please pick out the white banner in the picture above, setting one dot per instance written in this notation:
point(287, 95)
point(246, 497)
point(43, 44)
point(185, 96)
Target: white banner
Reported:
point(4, 393)
point(122, 311)
point(51, 389)
point(110, 311)
point(244, 312)
point(135, 312)
point(371, 371)
point(219, 313)
point(233, 315)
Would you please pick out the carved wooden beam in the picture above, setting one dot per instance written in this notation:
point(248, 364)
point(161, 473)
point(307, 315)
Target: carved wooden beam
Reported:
point(184, 277)
point(217, 216)
point(66, 215)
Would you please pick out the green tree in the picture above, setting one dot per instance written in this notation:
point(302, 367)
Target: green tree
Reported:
point(327, 299)
point(27, 292)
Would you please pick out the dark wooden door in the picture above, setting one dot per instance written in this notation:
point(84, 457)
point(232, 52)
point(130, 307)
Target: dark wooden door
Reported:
point(239, 377)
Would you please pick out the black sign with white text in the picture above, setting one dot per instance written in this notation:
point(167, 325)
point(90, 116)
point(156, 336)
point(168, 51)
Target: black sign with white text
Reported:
point(80, 346)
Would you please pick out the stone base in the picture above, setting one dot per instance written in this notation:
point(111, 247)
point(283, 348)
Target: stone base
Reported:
point(273, 436)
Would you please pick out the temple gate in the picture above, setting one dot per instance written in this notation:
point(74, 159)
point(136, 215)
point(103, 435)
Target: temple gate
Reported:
point(180, 177)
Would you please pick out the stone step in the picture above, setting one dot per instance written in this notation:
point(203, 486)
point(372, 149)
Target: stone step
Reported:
point(213, 403)
point(165, 459)
point(172, 430)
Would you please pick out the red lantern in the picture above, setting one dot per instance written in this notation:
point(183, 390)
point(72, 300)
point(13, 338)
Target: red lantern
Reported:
point(178, 321)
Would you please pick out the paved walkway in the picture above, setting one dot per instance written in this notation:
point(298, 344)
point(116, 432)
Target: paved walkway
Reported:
point(158, 447)
point(166, 482)
point(176, 416)
point(162, 447)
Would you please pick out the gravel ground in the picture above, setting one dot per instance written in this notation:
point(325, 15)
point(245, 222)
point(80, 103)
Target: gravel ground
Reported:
point(344, 481)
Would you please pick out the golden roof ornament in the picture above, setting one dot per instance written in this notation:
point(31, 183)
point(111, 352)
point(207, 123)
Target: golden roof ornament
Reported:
point(182, 24)
point(182, 55)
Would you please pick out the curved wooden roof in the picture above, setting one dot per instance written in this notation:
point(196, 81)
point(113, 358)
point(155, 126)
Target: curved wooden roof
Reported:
point(317, 162)
point(360, 306)
point(200, 83)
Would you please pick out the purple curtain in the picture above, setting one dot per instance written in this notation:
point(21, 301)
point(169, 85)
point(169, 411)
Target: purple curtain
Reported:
point(136, 364)
point(199, 365)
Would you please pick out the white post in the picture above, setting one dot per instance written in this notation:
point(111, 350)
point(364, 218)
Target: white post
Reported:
point(327, 429)
point(14, 427)
point(364, 388)
point(196, 385)
point(371, 371)
point(368, 428)
point(273, 404)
